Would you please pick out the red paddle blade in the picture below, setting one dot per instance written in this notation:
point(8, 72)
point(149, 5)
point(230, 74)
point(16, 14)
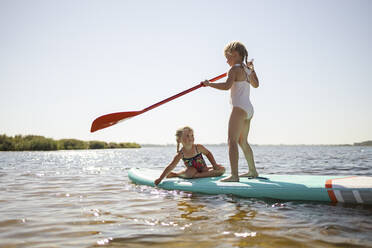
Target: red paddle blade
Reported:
point(111, 119)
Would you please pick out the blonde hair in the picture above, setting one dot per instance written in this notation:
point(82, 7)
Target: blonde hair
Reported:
point(239, 48)
point(179, 133)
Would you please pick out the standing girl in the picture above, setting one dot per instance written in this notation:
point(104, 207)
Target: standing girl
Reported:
point(191, 154)
point(239, 79)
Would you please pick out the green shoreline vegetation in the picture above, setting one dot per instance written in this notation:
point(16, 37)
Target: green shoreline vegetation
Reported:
point(40, 143)
point(365, 143)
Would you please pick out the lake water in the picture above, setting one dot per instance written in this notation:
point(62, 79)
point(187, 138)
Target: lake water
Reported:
point(84, 199)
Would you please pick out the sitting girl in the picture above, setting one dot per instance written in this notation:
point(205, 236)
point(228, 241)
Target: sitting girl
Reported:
point(192, 157)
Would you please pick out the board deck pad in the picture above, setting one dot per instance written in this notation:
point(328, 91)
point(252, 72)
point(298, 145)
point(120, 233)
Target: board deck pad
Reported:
point(327, 188)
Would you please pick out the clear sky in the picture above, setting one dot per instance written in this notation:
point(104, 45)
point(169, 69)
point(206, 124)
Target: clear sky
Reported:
point(64, 63)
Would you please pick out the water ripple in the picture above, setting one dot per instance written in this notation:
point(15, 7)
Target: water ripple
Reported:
point(84, 199)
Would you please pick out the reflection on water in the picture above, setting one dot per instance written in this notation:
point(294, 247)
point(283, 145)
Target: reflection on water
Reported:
point(84, 199)
point(188, 210)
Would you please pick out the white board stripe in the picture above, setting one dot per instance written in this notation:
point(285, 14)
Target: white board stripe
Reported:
point(338, 196)
point(353, 182)
point(357, 196)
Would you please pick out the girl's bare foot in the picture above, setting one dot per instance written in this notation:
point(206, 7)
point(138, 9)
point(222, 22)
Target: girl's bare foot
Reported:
point(250, 174)
point(230, 179)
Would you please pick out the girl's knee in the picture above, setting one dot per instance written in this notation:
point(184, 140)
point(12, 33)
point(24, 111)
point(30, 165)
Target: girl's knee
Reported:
point(233, 141)
point(243, 143)
point(220, 171)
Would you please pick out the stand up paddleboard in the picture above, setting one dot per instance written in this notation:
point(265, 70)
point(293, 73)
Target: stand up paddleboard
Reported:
point(352, 189)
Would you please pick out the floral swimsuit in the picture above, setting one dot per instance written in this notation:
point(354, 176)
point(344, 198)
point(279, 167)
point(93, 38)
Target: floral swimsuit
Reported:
point(197, 161)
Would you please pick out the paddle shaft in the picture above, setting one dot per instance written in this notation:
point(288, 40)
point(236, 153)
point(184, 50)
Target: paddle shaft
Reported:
point(111, 119)
point(181, 93)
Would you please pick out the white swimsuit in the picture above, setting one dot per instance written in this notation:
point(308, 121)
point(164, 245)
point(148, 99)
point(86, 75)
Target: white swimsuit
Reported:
point(240, 92)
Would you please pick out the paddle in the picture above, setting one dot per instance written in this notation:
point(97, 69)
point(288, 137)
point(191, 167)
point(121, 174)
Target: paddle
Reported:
point(111, 119)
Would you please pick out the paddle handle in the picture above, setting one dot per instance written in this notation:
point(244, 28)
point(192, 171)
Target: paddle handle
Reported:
point(182, 93)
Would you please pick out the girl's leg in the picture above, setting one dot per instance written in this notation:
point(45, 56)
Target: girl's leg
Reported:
point(176, 174)
point(210, 172)
point(247, 150)
point(236, 124)
point(189, 173)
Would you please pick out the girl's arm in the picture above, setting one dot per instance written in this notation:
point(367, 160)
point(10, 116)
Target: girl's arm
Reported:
point(253, 80)
point(209, 155)
point(223, 86)
point(169, 168)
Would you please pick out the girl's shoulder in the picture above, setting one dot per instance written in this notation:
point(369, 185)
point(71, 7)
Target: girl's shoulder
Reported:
point(235, 70)
point(200, 147)
point(238, 73)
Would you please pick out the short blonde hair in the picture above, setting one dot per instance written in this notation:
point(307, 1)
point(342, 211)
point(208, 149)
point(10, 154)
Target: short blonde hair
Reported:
point(238, 47)
point(179, 133)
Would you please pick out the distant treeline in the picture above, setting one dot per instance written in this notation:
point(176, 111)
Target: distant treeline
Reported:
point(365, 143)
point(40, 143)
